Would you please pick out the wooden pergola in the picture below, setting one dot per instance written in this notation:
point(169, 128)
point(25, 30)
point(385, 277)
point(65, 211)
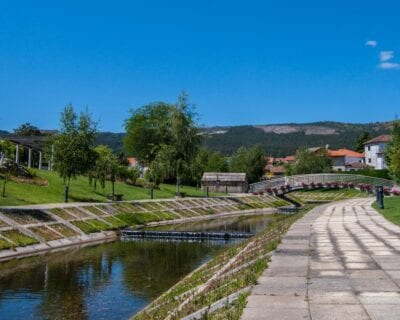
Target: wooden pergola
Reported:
point(33, 144)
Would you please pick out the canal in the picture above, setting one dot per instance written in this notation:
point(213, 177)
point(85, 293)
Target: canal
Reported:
point(111, 280)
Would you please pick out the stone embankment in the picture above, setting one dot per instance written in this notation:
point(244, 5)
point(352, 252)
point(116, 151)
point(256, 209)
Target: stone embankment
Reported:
point(29, 230)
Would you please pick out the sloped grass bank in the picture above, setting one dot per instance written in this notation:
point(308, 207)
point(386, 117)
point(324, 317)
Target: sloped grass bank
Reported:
point(392, 209)
point(234, 269)
point(81, 191)
point(326, 195)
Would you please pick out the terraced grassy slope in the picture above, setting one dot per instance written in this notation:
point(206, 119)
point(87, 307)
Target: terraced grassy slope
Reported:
point(22, 227)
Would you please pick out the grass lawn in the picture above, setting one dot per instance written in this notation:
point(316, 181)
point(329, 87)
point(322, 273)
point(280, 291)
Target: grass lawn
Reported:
point(80, 191)
point(392, 209)
point(326, 195)
point(19, 238)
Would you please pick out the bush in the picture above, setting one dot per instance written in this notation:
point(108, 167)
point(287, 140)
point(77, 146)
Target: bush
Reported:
point(140, 182)
point(383, 174)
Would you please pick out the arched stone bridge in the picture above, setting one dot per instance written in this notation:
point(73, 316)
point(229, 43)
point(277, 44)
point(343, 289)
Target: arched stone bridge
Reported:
point(296, 182)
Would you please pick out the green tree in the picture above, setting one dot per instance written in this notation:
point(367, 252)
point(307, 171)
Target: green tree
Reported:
point(74, 152)
point(249, 160)
point(102, 168)
point(216, 163)
point(312, 162)
point(7, 149)
point(147, 130)
point(392, 153)
point(362, 138)
point(207, 161)
point(165, 138)
point(26, 129)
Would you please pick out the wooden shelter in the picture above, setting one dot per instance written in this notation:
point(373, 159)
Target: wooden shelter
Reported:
point(229, 182)
point(32, 144)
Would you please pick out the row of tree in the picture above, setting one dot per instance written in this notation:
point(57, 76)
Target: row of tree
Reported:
point(75, 153)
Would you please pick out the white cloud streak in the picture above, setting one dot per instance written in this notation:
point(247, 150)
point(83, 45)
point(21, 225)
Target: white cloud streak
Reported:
point(386, 55)
point(371, 43)
point(389, 65)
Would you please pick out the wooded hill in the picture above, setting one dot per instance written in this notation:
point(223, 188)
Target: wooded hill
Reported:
point(277, 140)
point(285, 139)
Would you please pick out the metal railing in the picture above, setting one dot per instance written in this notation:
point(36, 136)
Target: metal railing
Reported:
point(297, 181)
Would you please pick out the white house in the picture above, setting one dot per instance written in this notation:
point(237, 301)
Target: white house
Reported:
point(374, 151)
point(346, 160)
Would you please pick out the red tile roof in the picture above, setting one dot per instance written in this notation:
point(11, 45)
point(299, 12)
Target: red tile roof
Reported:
point(345, 153)
point(133, 162)
point(381, 138)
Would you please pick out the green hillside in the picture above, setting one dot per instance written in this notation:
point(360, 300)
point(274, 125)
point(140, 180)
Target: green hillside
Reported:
point(80, 191)
point(282, 144)
point(277, 140)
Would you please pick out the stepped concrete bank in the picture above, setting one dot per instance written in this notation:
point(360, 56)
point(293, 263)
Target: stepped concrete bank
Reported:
point(31, 230)
point(340, 261)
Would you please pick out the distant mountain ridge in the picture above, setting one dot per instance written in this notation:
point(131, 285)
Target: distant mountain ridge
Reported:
point(284, 139)
point(277, 139)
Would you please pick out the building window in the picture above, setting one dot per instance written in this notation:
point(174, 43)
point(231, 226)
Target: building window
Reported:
point(369, 160)
point(369, 148)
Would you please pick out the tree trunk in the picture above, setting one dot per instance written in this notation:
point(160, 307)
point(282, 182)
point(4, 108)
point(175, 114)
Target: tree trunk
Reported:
point(3, 194)
point(67, 190)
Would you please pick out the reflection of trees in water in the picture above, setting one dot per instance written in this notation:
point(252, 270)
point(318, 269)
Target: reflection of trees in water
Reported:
point(69, 281)
point(66, 279)
point(153, 267)
point(251, 224)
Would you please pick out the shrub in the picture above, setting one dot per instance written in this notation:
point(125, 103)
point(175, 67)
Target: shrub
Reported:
point(140, 182)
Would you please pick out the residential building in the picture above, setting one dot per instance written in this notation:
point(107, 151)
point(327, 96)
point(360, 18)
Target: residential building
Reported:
point(134, 163)
point(374, 151)
point(346, 160)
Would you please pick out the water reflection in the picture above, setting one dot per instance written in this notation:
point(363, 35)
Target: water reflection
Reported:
point(107, 281)
point(246, 224)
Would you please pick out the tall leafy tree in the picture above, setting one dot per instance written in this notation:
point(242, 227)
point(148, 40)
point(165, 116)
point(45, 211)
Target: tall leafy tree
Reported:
point(164, 137)
point(249, 160)
point(312, 162)
point(392, 153)
point(362, 138)
point(147, 129)
point(74, 146)
point(207, 161)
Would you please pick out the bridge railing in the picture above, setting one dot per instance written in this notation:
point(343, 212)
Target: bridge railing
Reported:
point(299, 180)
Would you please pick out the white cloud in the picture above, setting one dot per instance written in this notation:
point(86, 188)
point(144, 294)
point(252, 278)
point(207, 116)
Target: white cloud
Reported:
point(371, 43)
point(386, 55)
point(389, 65)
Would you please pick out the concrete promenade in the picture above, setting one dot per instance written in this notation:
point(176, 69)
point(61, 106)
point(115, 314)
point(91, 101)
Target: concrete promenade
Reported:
point(340, 261)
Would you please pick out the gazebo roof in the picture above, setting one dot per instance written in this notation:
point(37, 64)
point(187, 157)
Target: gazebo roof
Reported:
point(34, 142)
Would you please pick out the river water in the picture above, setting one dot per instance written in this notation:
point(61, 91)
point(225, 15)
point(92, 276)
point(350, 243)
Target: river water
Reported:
point(111, 280)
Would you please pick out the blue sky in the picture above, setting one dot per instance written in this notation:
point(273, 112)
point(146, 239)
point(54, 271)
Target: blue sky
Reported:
point(242, 62)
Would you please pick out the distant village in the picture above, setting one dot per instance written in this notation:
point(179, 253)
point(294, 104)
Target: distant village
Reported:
point(342, 159)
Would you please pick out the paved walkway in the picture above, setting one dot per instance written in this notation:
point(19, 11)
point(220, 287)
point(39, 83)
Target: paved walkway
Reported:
point(340, 261)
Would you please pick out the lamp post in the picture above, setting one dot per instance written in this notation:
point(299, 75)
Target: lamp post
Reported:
point(379, 197)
